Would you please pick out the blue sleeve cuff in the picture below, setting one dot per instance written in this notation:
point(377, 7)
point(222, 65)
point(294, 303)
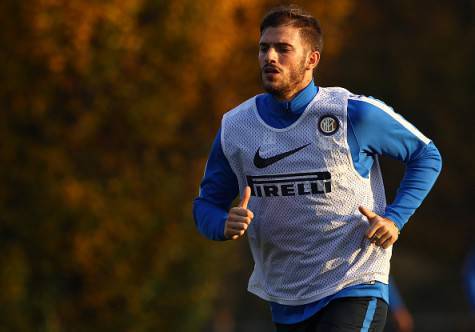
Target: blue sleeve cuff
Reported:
point(209, 219)
point(394, 217)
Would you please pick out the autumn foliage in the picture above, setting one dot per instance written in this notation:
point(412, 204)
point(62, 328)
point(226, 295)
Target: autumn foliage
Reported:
point(109, 109)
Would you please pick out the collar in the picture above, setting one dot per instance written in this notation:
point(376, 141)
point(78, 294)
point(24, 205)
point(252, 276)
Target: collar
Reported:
point(298, 104)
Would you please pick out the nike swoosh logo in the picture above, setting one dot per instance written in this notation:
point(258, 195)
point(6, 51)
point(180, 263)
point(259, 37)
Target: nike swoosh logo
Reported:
point(260, 162)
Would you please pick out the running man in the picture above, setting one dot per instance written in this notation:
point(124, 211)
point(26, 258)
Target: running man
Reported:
point(304, 160)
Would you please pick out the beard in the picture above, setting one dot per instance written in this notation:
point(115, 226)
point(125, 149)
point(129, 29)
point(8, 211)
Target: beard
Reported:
point(286, 83)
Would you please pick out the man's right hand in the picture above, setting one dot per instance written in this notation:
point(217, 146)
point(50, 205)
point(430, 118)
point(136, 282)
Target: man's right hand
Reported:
point(239, 218)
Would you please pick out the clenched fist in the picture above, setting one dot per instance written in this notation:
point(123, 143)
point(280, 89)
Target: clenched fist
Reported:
point(239, 218)
point(382, 231)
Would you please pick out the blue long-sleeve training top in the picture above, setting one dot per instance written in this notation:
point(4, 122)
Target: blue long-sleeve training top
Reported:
point(374, 129)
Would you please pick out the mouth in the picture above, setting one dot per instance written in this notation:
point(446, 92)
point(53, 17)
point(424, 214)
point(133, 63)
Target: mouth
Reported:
point(270, 70)
point(270, 73)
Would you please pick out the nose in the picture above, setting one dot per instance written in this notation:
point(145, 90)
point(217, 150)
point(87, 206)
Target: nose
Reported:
point(270, 55)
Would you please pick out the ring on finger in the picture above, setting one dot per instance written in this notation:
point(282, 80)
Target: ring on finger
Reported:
point(375, 238)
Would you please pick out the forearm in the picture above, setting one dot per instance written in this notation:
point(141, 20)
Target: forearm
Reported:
point(218, 189)
point(419, 177)
point(209, 219)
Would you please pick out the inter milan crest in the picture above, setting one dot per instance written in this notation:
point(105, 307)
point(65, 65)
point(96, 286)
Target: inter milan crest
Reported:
point(328, 124)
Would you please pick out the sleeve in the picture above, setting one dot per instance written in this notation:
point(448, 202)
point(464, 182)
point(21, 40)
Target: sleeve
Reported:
point(378, 130)
point(218, 189)
point(395, 300)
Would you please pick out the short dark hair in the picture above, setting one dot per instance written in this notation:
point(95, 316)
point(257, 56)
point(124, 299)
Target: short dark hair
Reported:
point(309, 26)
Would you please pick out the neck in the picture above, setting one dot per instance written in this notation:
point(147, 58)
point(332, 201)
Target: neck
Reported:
point(298, 102)
point(290, 94)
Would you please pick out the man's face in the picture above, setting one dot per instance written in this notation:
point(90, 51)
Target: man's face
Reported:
point(283, 59)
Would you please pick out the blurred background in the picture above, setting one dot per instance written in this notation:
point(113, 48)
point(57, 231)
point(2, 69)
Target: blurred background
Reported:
point(108, 112)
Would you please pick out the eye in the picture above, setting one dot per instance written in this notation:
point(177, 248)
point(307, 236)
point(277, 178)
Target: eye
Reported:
point(284, 49)
point(263, 48)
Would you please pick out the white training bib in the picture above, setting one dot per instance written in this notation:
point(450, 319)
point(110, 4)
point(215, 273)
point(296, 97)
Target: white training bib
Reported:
point(307, 237)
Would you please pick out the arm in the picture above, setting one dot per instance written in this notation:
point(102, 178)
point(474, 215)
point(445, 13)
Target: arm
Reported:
point(378, 130)
point(218, 189)
point(420, 174)
point(400, 315)
point(469, 276)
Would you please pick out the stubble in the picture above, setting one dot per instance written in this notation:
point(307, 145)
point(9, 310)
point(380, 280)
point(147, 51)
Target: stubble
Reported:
point(289, 85)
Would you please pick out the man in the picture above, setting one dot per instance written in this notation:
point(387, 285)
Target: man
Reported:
point(400, 315)
point(304, 160)
point(469, 279)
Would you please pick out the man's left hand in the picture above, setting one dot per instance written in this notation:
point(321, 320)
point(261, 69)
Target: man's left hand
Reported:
point(382, 231)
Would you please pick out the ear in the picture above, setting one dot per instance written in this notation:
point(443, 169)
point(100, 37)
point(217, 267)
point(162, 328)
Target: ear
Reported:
point(313, 60)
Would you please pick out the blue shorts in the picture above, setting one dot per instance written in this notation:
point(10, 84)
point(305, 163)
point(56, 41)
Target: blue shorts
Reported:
point(344, 314)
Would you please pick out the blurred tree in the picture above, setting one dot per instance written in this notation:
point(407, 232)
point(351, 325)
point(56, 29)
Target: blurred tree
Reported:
point(109, 108)
point(105, 103)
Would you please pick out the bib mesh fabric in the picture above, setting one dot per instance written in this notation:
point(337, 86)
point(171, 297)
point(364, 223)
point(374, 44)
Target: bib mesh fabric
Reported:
point(307, 237)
